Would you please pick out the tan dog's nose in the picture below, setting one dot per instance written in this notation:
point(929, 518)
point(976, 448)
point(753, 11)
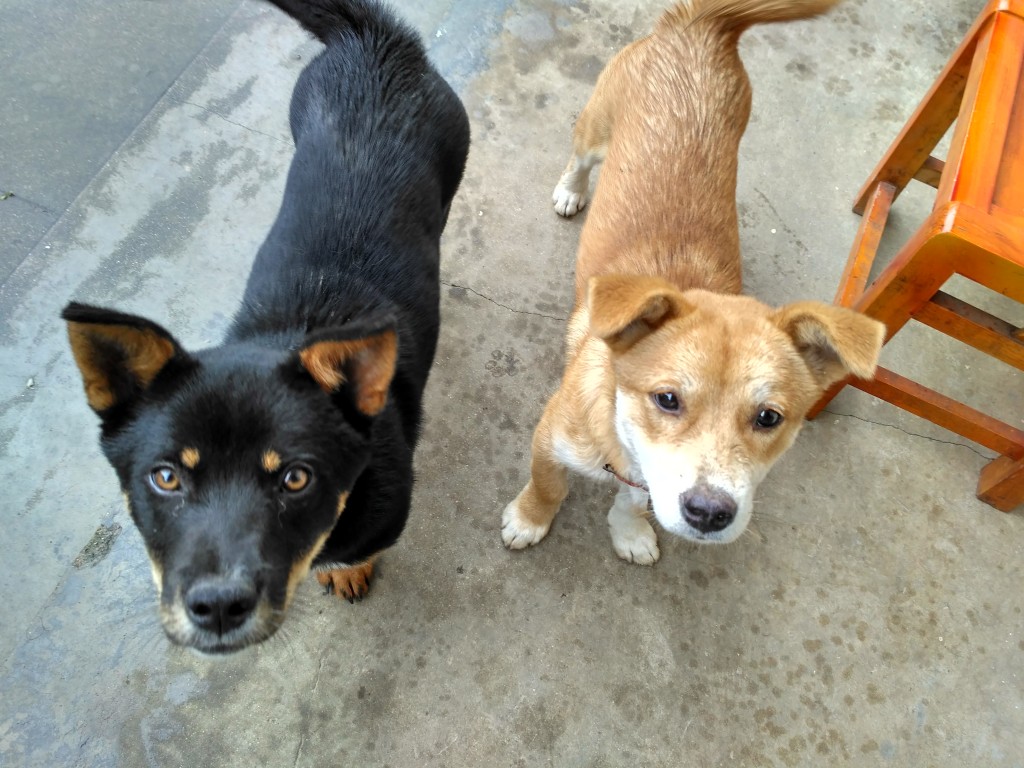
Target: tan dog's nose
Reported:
point(707, 509)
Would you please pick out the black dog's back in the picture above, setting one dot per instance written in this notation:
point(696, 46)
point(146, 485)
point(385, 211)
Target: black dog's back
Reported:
point(380, 147)
point(381, 141)
point(325, 18)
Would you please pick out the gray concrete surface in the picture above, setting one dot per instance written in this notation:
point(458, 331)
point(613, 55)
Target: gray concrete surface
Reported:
point(872, 617)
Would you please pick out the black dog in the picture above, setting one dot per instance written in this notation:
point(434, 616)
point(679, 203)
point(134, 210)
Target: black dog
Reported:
point(290, 445)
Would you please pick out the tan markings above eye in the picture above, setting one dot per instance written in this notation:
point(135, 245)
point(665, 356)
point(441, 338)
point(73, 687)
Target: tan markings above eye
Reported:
point(296, 479)
point(165, 479)
point(190, 457)
point(271, 461)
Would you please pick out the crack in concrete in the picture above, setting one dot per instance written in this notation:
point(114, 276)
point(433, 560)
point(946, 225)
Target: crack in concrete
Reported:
point(911, 434)
point(785, 227)
point(11, 195)
point(768, 202)
point(316, 684)
point(319, 669)
point(503, 306)
point(244, 127)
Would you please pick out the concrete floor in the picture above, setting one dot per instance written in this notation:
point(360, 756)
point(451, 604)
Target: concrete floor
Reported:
point(873, 617)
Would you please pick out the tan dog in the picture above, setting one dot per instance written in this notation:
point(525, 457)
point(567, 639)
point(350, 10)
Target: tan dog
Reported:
point(673, 382)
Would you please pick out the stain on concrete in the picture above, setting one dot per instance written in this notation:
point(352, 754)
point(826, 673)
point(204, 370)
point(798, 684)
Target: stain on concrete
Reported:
point(99, 546)
point(503, 363)
point(227, 103)
point(803, 67)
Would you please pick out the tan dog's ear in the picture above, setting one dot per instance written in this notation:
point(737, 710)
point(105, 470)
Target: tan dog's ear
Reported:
point(835, 342)
point(625, 308)
point(366, 363)
point(118, 355)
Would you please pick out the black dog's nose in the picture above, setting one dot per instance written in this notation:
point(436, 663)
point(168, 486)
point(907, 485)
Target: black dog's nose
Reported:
point(707, 509)
point(219, 604)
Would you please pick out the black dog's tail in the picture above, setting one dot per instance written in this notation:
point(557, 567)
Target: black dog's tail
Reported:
point(326, 18)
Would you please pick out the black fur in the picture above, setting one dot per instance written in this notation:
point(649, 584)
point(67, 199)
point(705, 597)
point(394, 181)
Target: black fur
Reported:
point(380, 146)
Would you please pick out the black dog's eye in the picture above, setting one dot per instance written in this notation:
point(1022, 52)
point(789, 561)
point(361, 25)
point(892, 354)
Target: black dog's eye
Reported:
point(164, 479)
point(667, 401)
point(767, 419)
point(296, 479)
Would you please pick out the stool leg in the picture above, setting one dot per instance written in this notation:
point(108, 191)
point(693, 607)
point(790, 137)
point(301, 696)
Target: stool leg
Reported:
point(926, 126)
point(1001, 483)
point(913, 277)
point(858, 268)
point(825, 399)
point(862, 253)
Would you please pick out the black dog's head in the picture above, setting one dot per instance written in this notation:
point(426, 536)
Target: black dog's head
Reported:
point(236, 462)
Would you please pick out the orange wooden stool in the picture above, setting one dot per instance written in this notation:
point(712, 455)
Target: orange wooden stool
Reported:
point(976, 229)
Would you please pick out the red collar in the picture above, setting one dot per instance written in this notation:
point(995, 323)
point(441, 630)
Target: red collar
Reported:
point(609, 468)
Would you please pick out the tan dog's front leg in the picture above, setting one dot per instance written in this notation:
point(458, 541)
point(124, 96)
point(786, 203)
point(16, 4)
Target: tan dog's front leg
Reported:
point(528, 518)
point(632, 535)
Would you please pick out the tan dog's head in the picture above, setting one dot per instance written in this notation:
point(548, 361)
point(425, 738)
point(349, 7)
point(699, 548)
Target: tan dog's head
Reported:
point(711, 389)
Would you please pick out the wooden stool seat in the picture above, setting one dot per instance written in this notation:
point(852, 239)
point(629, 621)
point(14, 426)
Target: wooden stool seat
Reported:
point(976, 229)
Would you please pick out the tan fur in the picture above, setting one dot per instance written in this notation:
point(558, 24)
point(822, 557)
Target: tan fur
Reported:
point(657, 311)
point(144, 350)
point(157, 569)
point(271, 460)
point(350, 583)
point(368, 362)
point(301, 567)
point(190, 457)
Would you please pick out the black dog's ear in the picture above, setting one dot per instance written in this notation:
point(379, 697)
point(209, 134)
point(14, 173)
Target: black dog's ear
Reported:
point(359, 356)
point(118, 355)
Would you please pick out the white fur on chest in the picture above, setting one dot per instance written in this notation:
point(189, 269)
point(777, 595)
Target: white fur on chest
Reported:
point(584, 462)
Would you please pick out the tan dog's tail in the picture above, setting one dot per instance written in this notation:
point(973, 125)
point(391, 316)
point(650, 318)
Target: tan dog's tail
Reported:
point(739, 14)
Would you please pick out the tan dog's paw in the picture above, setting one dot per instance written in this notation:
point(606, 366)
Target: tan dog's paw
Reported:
point(635, 541)
point(349, 583)
point(518, 533)
point(568, 200)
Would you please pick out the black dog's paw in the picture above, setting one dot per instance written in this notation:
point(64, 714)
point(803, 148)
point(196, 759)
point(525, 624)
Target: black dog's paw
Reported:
point(349, 583)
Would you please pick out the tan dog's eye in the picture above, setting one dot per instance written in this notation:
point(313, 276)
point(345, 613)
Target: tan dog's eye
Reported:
point(296, 479)
point(667, 402)
point(165, 480)
point(767, 419)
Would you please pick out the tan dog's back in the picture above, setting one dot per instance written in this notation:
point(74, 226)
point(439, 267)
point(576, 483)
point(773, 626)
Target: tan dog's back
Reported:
point(666, 117)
